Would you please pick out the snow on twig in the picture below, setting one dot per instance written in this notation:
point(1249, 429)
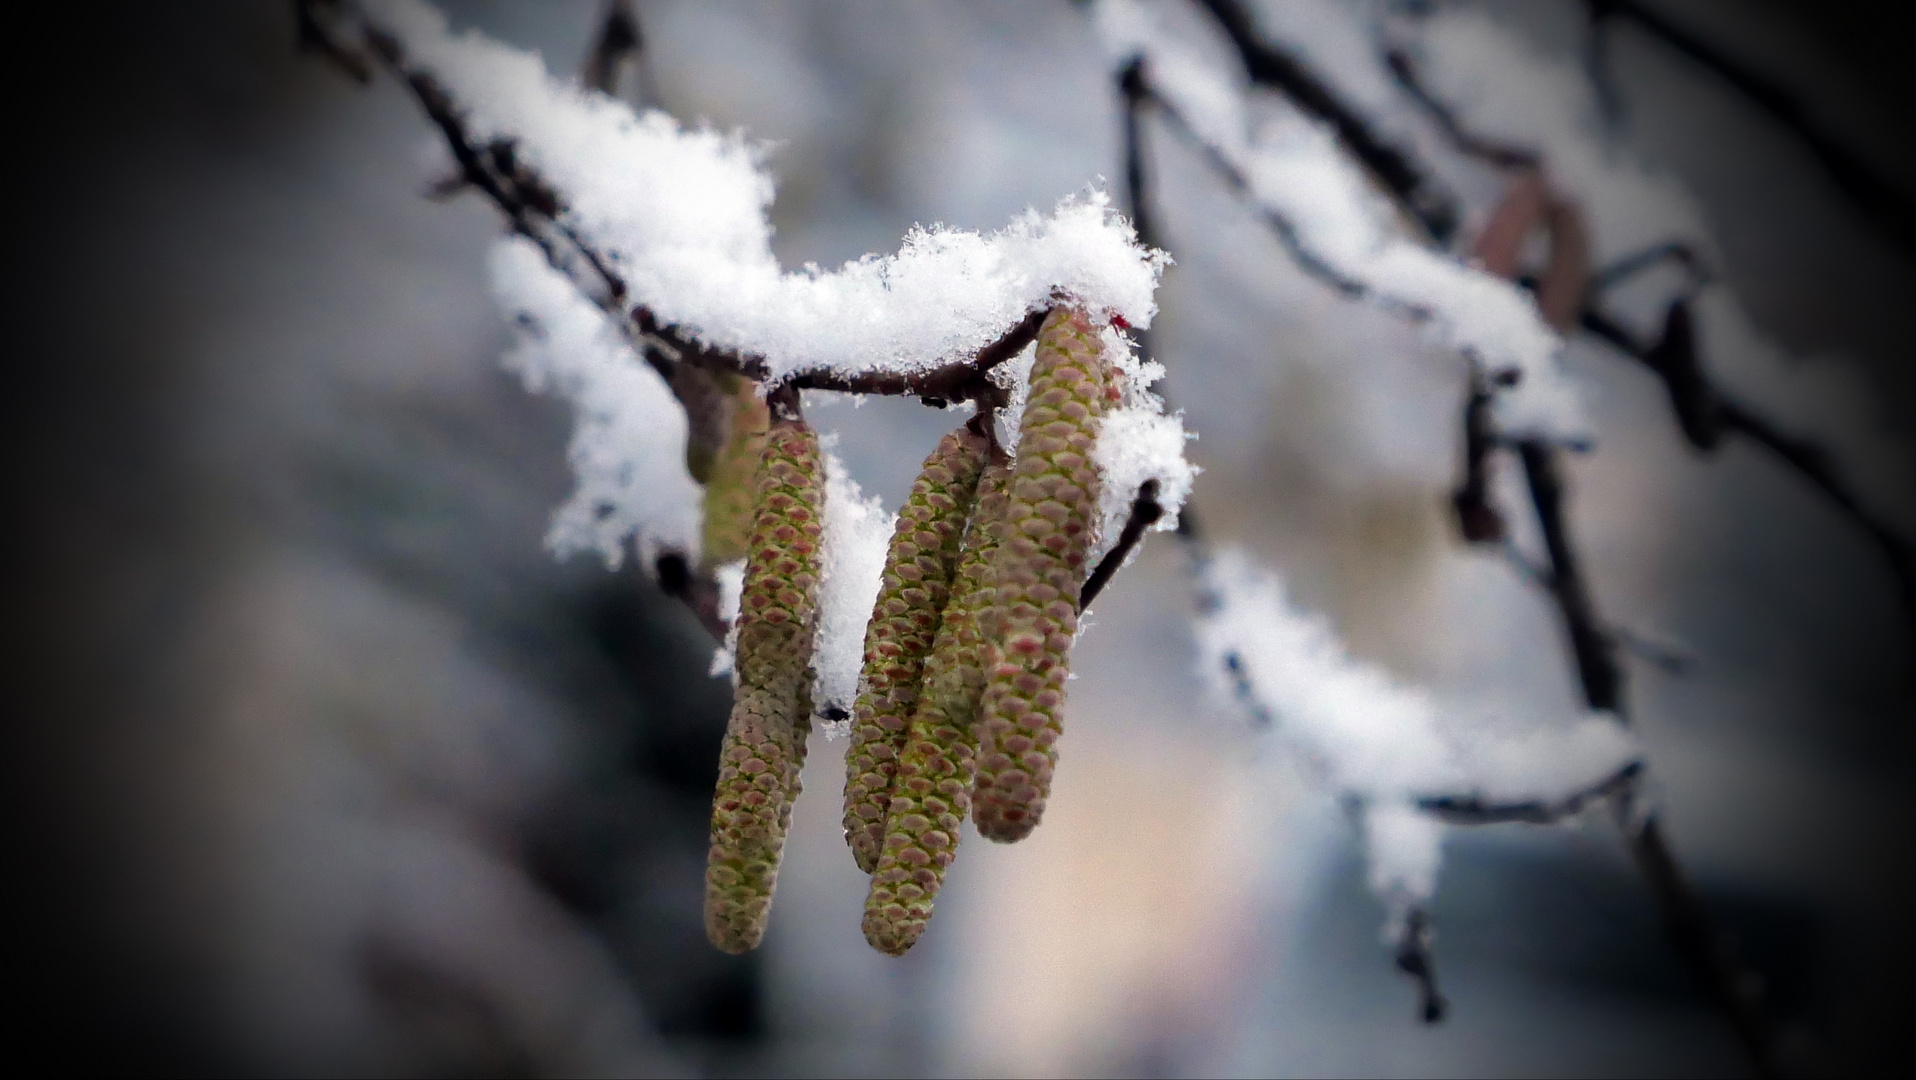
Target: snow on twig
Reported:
point(1488, 85)
point(628, 439)
point(1383, 744)
point(679, 217)
point(1338, 228)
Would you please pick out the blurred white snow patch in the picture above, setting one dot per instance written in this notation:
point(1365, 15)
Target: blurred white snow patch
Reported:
point(628, 436)
point(856, 536)
point(1339, 227)
point(731, 586)
point(681, 217)
point(1365, 733)
point(1404, 849)
point(1376, 741)
point(1542, 765)
point(1138, 442)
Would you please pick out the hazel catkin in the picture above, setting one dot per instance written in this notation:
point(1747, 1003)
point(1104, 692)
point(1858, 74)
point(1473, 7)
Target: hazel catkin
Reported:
point(931, 792)
point(1039, 566)
point(911, 596)
point(732, 476)
point(764, 745)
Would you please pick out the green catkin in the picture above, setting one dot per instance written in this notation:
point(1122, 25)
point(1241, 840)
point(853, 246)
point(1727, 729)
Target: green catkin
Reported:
point(904, 622)
point(1039, 568)
point(764, 745)
point(931, 793)
point(731, 478)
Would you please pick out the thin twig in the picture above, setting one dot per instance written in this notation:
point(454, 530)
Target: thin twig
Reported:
point(1476, 810)
point(1500, 154)
point(1145, 512)
point(1414, 959)
point(1705, 413)
point(534, 209)
point(1702, 410)
point(1417, 190)
point(1477, 516)
point(695, 591)
point(617, 40)
point(1887, 205)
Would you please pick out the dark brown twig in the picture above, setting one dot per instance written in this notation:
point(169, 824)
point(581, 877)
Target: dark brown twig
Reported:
point(1889, 207)
point(1414, 959)
point(1702, 410)
point(1417, 190)
point(535, 210)
point(695, 591)
point(1704, 413)
point(1145, 512)
point(1476, 810)
point(1477, 515)
point(617, 40)
point(1490, 151)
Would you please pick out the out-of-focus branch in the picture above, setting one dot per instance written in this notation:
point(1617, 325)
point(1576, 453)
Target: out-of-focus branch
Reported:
point(1704, 945)
point(1569, 296)
point(1414, 959)
point(1417, 190)
point(697, 592)
point(617, 40)
point(1477, 810)
point(1477, 515)
point(534, 209)
point(1590, 647)
point(1490, 151)
point(1286, 232)
point(1889, 207)
point(1705, 413)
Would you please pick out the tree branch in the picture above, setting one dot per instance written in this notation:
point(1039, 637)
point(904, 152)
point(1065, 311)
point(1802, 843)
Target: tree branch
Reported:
point(618, 38)
point(1890, 208)
point(1417, 190)
point(1705, 413)
point(1691, 928)
point(1490, 151)
point(1702, 411)
point(1145, 512)
point(1476, 810)
point(1477, 516)
point(1414, 959)
point(535, 210)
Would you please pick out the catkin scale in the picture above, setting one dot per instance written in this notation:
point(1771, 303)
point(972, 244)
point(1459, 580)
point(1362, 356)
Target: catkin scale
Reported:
point(904, 623)
point(764, 745)
point(1039, 567)
point(732, 478)
point(931, 793)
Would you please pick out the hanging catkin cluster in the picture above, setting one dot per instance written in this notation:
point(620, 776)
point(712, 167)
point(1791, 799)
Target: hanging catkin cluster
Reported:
point(966, 653)
point(911, 597)
point(764, 746)
point(994, 676)
point(931, 793)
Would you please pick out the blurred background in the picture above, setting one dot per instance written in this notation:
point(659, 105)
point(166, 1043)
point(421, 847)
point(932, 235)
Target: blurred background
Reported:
point(324, 765)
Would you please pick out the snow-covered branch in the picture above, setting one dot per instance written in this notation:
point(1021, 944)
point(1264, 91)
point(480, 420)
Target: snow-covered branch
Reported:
point(1291, 166)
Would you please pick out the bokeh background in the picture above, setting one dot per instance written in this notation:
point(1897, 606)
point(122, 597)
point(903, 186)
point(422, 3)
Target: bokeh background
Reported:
point(323, 765)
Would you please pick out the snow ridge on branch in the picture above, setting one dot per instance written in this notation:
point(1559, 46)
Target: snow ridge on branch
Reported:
point(1384, 745)
point(680, 217)
point(1340, 229)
